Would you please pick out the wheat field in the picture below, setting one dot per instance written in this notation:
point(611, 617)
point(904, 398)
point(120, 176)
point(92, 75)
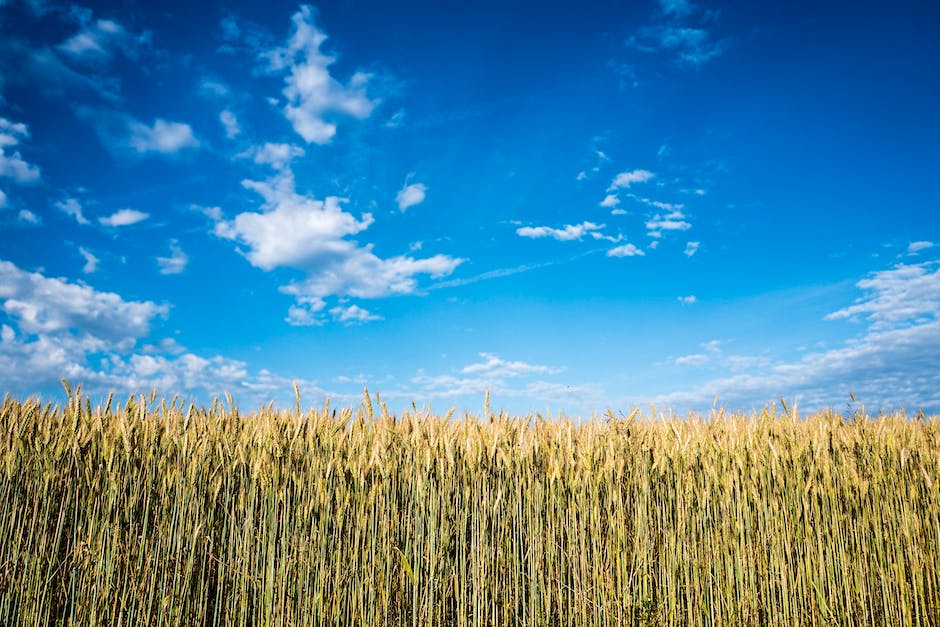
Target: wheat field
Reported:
point(157, 512)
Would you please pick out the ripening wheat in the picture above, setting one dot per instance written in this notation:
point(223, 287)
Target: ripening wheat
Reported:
point(157, 513)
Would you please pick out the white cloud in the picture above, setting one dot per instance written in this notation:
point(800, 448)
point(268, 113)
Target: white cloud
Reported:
point(29, 217)
point(124, 217)
point(62, 329)
point(674, 221)
point(352, 314)
point(676, 8)
point(213, 213)
point(502, 379)
point(410, 195)
point(690, 47)
point(894, 362)
point(901, 296)
point(626, 250)
point(314, 96)
point(297, 231)
point(687, 300)
point(570, 232)
point(163, 137)
point(278, 156)
point(665, 206)
point(697, 359)
point(3, 199)
point(50, 305)
point(71, 207)
point(12, 164)
point(581, 175)
point(691, 248)
point(303, 315)
point(91, 262)
point(230, 122)
point(176, 262)
point(618, 212)
point(98, 39)
point(213, 88)
point(610, 200)
point(625, 179)
point(915, 247)
point(494, 366)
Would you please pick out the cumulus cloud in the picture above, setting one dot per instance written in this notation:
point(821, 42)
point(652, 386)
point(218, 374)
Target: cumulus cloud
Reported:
point(162, 137)
point(176, 262)
point(124, 135)
point(230, 123)
point(305, 315)
point(610, 201)
point(91, 262)
point(124, 217)
point(71, 207)
point(298, 231)
point(687, 300)
point(55, 328)
point(353, 314)
point(278, 156)
point(625, 179)
point(410, 195)
point(691, 248)
point(626, 250)
point(12, 164)
point(314, 97)
point(568, 233)
point(50, 305)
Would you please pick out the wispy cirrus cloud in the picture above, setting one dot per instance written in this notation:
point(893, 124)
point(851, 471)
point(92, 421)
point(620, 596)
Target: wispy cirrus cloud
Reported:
point(892, 363)
point(72, 207)
point(91, 261)
point(680, 30)
point(99, 39)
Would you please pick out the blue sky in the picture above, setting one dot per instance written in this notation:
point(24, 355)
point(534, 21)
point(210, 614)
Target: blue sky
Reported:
point(574, 206)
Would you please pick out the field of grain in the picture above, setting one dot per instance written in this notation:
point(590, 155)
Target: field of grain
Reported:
point(152, 512)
